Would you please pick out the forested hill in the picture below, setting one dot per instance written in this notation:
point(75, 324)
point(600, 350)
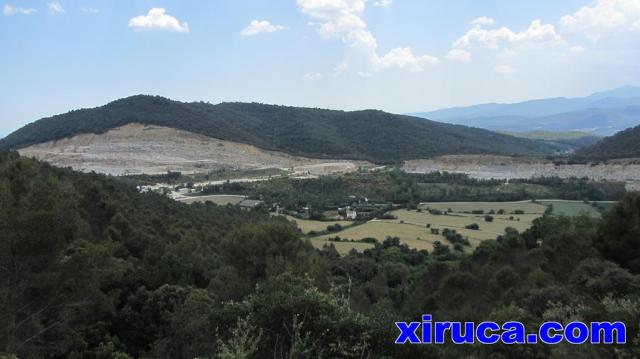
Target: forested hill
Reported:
point(625, 144)
point(368, 135)
point(93, 269)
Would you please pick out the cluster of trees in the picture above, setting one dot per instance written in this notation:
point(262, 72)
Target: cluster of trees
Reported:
point(455, 238)
point(368, 135)
point(92, 269)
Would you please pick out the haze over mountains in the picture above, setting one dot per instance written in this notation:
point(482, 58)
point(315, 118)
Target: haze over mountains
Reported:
point(602, 113)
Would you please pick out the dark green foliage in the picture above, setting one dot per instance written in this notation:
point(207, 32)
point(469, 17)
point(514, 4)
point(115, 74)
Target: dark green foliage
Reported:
point(619, 233)
point(453, 236)
point(624, 144)
point(368, 135)
point(93, 269)
point(89, 265)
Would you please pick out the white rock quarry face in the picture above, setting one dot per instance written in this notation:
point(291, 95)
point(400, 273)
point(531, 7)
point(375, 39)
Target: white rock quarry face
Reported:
point(136, 149)
point(501, 167)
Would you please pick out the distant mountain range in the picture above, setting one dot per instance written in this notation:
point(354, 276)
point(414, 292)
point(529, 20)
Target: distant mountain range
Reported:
point(370, 135)
point(601, 114)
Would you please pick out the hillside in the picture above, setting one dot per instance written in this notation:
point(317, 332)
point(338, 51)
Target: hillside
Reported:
point(602, 113)
point(571, 140)
point(362, 135)
point(108, 272)
point(625, 144)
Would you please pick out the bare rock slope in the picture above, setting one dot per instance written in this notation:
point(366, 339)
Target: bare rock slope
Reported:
point(136, 148)
point(503, 167)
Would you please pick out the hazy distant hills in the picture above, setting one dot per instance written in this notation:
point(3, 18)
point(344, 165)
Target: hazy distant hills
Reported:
point(569, 140)
point(364, 135)
point(602, 113)
point(625, 144)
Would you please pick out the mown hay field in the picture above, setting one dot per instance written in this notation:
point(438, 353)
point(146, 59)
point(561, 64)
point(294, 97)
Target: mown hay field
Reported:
point(411, 225)
point(307, 225)
point(220, 200)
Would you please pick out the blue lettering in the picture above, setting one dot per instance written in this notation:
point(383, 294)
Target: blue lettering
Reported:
point(514, 333)
point(545, 335)
point(456, 333)
point(481, 333)
point(441, 329)
point(426, 329)
point(408, 332)
point(608, 328)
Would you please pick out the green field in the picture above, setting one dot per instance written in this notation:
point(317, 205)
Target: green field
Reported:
point(221, 200)
point(307, 225)
point(509, 207)
point(574, 208)
point(418, 237)
point(342, 247)
point(411, 226)
point(458, 221)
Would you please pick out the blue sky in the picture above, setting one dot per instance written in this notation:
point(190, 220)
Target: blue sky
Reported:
point(395, 55)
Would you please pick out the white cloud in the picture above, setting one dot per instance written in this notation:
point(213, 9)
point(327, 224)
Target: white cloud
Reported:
point(636, 25)
point(383, 3)
point(403, 57)
point(340, 68)
point(459, 55)
point(259, 26)
point(157, 19)
point(8, 10)
point(483, 20)
point(90, 10)
point(507, 53)
point(504, 70)
point(312, 76)
point(494, 38)
point(342, 19)
point(604, 14)
point(577, 49)
point(55, 8)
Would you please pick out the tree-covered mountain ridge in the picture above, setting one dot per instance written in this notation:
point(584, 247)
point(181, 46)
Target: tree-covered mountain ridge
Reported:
point(624, 144)
point(370, 135)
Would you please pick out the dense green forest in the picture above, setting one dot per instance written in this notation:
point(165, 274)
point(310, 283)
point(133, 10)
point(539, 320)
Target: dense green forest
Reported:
point(367, 135)
point(408, 189)
point(625, 144)
point(93, 269)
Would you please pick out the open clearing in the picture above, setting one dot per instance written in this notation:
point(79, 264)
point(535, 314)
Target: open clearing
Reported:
point(220, 200)
point(574, 208)
point(458, 221)
point(342, 247)
point(307, 225)
point(509, 207)
point(411, 226)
